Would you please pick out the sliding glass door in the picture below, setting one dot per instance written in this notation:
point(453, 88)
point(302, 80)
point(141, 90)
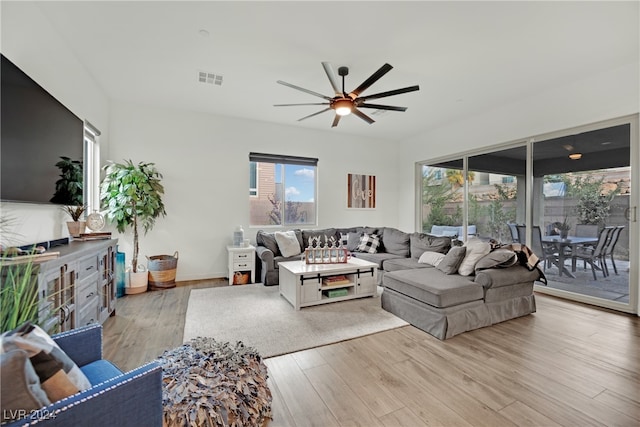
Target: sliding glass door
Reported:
point(582, 206)
point(582, 198)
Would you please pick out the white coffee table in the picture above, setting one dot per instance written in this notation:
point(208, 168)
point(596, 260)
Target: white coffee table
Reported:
point(304, 284)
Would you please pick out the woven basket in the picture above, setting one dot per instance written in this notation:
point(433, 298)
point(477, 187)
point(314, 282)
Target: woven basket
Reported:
point(162, 271)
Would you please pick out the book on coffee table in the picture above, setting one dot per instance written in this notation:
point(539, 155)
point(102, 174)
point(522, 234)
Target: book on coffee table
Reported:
point(335, 280)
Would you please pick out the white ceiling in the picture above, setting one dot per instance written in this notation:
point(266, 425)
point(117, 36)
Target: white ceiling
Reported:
point(467, 57)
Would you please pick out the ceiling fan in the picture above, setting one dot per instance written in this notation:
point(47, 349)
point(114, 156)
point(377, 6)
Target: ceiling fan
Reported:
point(344, 103)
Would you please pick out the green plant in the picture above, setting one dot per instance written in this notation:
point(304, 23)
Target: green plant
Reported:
point(594, 205)
point(75, 212)
point(18, 295)
point(131, 196)
point(18, 288)
point(70, 185)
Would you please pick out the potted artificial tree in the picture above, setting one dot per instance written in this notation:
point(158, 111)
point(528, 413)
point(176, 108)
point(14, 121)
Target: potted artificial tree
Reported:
point(131, 196)
point(69, 193)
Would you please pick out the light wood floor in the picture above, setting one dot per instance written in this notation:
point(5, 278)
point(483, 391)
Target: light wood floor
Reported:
point(566, 365)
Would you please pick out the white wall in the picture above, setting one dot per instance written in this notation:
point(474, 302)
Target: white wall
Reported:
point(30, 42)
point(604, 96)
point(205, 163)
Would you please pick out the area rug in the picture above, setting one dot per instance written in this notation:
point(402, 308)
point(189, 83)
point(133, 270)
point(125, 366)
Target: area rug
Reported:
point(259, 317)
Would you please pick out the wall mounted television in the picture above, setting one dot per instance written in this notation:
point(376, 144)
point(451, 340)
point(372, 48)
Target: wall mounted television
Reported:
point(35, 131)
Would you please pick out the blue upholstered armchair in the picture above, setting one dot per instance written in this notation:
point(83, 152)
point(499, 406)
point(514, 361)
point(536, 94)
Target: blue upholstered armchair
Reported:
point(117, 399)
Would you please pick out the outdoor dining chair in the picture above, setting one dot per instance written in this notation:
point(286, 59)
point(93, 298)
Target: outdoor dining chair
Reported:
point(547, 254)
point(594, 255)
point(610, 246)
point(513, 228)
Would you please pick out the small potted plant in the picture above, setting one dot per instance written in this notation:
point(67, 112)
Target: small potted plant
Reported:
point(131, 196)
point(562, 228)
point(76, 227)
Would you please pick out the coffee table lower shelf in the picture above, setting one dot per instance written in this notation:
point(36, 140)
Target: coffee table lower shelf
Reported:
point(305, 285)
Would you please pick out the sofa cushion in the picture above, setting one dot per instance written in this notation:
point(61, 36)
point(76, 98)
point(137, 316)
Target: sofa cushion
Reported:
point(59, 376)
point(288, 243)
point(431, 258)
point(451, 261)
point(498, 277)
point(20, 385)
point(395, 241)
point(353, 239)
point(379, 258)
point(268, 240)
point(395, 264)
point(369, 243)
point(100, 371)
point(476, 249)
point(420, 242)
point(430, 286)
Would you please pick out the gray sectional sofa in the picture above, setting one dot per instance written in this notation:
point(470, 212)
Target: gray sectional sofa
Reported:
point(437, 300)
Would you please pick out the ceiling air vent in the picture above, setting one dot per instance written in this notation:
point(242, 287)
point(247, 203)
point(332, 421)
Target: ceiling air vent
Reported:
point(209, 78)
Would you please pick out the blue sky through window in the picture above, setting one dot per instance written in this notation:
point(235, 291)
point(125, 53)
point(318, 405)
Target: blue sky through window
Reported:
point(299, 182)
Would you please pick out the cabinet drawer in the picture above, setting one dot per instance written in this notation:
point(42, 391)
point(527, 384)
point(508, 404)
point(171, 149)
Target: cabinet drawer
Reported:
point(245, 265)
point(89, 313)
point(87, 291)
point(87, 266)
point(242, 256)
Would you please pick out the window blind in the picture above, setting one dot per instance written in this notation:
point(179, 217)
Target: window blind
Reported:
point(278, 158)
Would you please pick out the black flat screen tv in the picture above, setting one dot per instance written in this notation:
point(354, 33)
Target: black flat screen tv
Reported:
point(35, 131)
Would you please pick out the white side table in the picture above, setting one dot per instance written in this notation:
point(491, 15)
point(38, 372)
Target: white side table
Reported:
point(241, 258)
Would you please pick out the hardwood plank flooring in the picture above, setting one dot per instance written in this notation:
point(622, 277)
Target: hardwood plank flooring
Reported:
point(569, 364)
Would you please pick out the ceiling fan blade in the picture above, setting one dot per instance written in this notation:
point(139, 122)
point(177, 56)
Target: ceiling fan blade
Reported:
point(292, 105)
point(336, 119)
point(310, 92)
point(390, 93)
point(314, 114)
point(332, 78)
point(362, 115)
point(371, 80)
point(382, 107)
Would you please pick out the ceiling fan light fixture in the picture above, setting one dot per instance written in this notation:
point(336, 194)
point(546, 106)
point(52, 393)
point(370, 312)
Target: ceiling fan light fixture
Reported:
point(343, 107)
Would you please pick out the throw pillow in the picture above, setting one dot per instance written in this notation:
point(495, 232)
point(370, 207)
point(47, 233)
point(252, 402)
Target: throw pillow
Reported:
point(287, 243)
point(500, 258)
point(369, 243)
point(353, 240)
point(20, 390)
point(476, 249)
point(268, 240)
point(431, 258)
point(344, 239)
point(451, 261)
point(59, 376)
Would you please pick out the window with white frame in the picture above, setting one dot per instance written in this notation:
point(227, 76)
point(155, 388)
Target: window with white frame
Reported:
point(91, 194)
point(282, 190)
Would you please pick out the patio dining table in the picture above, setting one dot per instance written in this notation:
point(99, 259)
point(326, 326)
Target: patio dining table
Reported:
point(571, 241)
